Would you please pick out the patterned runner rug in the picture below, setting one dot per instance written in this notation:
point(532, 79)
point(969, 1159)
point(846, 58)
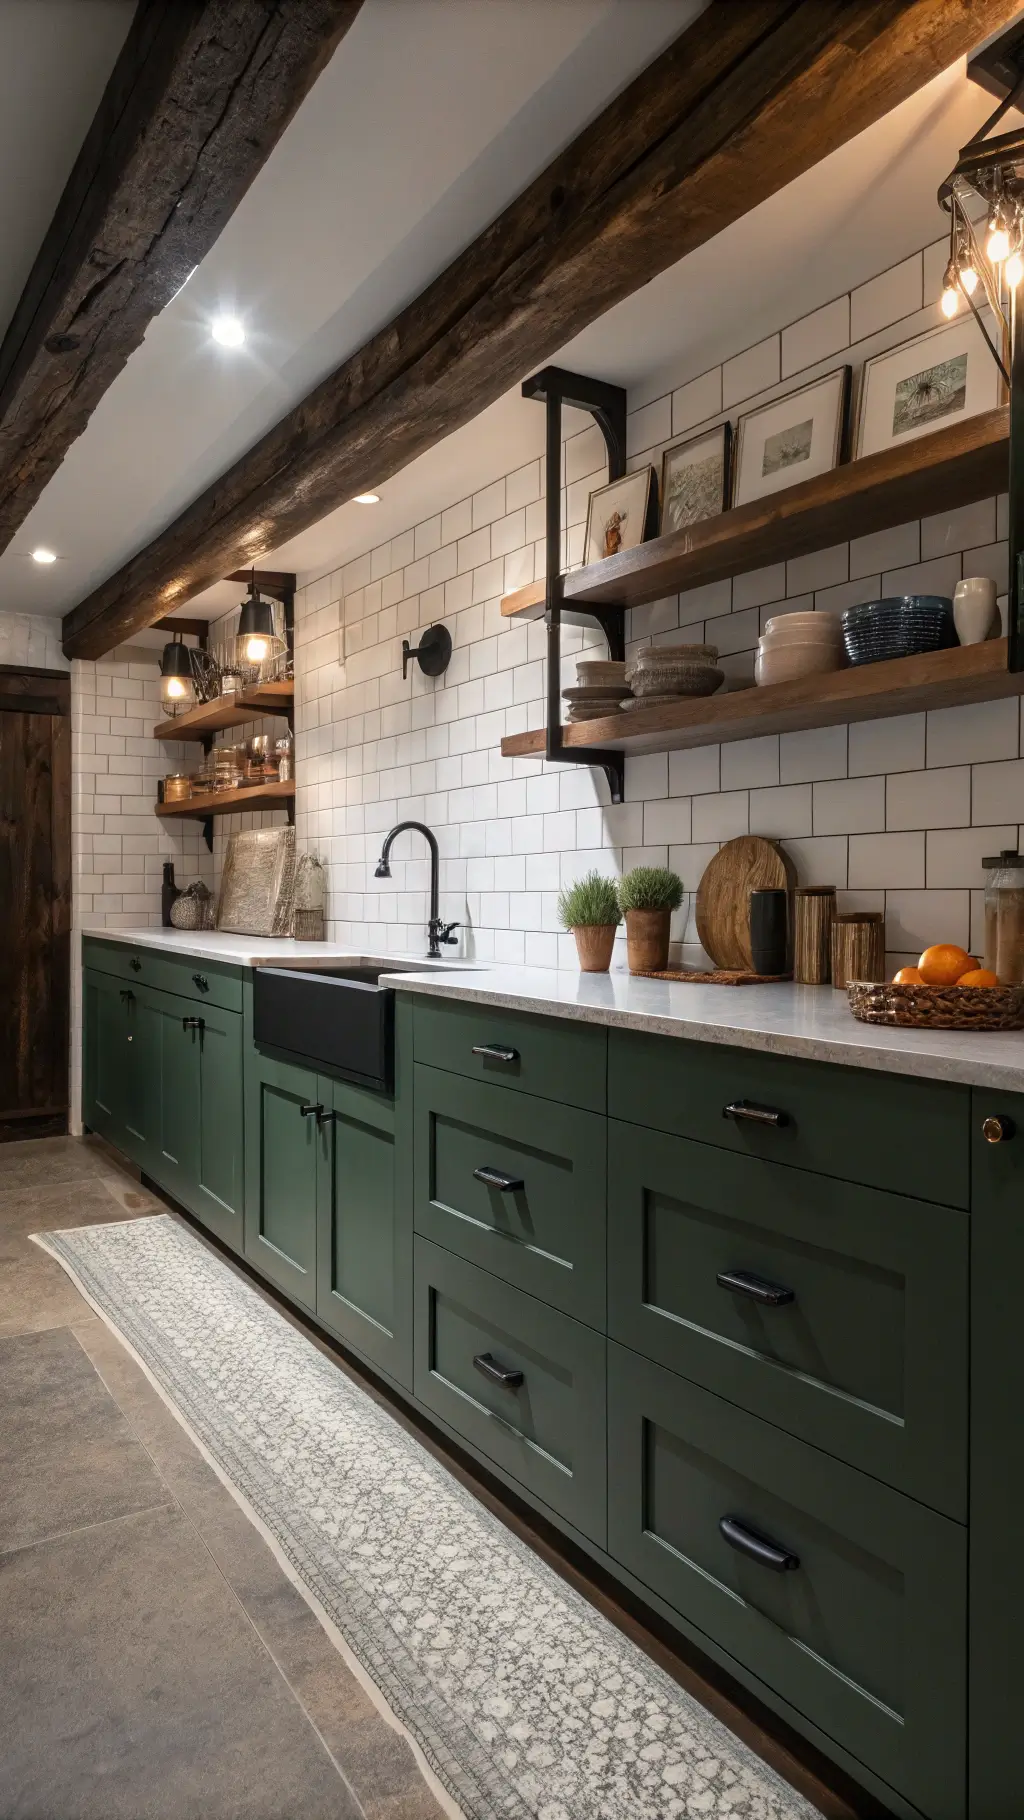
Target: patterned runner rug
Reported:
point(526, 1702)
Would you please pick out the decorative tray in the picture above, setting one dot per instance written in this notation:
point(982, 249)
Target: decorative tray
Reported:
point(938, 1007)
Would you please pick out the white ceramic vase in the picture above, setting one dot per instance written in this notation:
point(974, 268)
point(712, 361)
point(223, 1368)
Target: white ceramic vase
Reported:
point(974, 609)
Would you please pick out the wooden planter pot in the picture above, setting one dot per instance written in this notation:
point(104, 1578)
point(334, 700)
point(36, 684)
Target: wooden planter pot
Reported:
point(647, 940)
point(594, 944)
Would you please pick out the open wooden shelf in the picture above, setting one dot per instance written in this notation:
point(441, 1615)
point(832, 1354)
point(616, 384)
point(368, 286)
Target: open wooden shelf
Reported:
point(905, 685)
point(227, 802)
point(950, 467)
point(228, 711)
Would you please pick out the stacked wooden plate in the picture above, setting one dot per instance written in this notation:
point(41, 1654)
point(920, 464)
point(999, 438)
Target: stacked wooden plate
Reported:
point(600, 687)
point(663, 673)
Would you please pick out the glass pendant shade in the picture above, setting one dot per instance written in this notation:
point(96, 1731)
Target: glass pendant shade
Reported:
point(257, 638)
point(177, 687)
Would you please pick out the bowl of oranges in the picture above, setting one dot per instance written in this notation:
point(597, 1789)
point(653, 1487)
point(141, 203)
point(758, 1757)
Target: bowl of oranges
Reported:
point(947, 990)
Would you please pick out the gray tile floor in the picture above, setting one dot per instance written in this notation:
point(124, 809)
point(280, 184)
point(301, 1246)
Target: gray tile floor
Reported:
point(155, 1662)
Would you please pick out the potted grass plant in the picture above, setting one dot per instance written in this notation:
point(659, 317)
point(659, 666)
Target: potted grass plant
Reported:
point(647, 897)
point(590, 909)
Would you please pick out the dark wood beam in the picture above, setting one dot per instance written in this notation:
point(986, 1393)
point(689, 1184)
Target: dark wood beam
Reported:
point(753, 93)
point(198, 98)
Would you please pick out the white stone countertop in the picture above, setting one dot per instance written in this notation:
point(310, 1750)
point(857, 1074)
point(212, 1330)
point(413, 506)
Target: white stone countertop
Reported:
point(258, 950)
point(813, 1022)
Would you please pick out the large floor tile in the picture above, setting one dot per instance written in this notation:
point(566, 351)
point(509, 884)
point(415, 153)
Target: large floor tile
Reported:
point(133, 1687)
point(50, 1160)
point(67, 1454)
point(35, 1293)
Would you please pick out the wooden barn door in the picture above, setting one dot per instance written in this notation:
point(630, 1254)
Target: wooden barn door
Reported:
point(35, 901)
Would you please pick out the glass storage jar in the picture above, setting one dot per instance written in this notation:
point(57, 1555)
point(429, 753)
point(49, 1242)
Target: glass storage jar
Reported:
point(1004, 916)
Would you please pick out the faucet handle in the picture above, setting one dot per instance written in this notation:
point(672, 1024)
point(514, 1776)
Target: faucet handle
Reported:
point(445, 935)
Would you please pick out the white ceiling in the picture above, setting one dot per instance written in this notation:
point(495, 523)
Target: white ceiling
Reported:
point(55, 57)
point(432, 115)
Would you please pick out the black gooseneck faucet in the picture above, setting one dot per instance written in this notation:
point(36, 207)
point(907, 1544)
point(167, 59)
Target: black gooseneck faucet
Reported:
point(438, 931)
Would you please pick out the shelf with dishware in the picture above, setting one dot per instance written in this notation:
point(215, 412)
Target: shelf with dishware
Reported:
point(231, 710)
point(948, 467)
point(870, 691)
point(227, 802)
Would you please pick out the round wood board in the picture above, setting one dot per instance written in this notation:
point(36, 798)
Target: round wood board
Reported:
point(723, 910)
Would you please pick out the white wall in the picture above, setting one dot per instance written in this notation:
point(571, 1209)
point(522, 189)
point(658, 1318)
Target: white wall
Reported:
point(897, 814)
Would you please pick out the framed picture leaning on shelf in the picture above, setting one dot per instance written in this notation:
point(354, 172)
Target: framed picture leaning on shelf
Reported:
point(946, 373)
point(695, 479)
point(793, 438)
point(621, 515)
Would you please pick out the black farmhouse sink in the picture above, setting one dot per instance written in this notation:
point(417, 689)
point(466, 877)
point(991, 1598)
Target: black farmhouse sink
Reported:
point(338, 1016)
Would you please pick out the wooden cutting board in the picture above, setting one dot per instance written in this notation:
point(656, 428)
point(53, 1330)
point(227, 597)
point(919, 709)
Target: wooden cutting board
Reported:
point(723, 896)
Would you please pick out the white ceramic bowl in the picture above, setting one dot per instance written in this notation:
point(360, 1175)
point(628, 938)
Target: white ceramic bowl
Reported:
point(662, 657)
point(789, 627)
point(778, 663)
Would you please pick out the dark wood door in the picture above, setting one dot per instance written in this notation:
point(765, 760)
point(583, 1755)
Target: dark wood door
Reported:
point(35, 901)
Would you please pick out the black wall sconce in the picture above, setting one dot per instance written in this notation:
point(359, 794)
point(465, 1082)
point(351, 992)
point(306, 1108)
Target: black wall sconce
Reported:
point(433, 653)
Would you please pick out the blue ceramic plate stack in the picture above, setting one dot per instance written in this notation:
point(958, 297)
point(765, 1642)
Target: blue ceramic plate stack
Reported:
point(898, 627)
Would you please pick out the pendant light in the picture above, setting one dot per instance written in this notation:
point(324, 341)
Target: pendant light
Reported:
point(177, 685)
point(257, 638)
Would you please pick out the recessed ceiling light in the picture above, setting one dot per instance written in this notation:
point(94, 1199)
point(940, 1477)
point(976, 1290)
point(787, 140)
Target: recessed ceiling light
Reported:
point(367, 499)
point(43, 556)
point(228, 331)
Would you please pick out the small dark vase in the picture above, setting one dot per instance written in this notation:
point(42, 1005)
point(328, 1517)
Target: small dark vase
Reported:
point(168, 893)
point(769, 930)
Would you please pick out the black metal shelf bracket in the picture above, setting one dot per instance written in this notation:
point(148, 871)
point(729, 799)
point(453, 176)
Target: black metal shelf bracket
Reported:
point(607, 406)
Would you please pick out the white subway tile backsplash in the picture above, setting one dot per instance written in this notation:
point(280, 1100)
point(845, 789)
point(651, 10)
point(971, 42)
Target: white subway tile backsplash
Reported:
point(758, 587)
point(929, 799)
point(939, 576)
point(974, 734)
point(720, 817)
point(883, 861)
point(755, 370)
point(998, 792)
point(649, 427)
point(955, 854)
point(822, 569)
point(818, 753)
point(668, 820)
point(851, 805)
point(692, 773)
point(882, 300)
point(815, 337)
point(960, 529)
point(750, 763)
point(914, 920)
point(887, 745)
point(696, 401)
point(782, 812)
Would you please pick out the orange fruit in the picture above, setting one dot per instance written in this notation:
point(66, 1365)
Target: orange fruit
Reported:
point(978, 976)
point(908, 976)
point(944, 964)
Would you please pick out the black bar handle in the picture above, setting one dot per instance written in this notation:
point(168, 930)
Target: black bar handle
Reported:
point(487, 1364)
point(324, 1118)
point(315, 1111)
point(758, 1548)
point(193, 1023)
point(200, 980)
point(496, 1178)
point(757, 1115)
point(493, 1052)
point(759, 1289)
point(126, 996)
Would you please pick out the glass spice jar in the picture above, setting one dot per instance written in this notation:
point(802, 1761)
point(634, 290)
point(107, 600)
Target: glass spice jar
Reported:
point(1004, 916)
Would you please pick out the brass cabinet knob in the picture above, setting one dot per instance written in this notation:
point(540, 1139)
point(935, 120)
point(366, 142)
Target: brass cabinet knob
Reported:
point(996, 1129)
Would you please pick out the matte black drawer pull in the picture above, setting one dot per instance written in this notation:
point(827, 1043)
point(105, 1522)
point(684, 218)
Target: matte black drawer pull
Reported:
point(135, 964)
point(193, 1023)
point(492, 1052)
point(314, 1111)
point(200, 980)
point(748, 1542)
point(486, 1363)
point(494, 1178)
point(744, 1282)
point(324, 1118)
point(757, 1115)
point(126, 996)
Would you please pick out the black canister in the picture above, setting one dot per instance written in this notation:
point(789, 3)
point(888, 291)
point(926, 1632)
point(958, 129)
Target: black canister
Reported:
point(769, 930)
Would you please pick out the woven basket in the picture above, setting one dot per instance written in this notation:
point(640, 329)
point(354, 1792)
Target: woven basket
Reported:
point(938, 1007)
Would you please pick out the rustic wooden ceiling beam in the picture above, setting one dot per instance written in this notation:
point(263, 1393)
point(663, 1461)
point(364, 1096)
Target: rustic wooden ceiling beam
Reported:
point(198, 98)
point(752, 94)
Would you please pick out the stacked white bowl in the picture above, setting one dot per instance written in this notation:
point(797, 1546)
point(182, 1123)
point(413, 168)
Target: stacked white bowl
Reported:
point(799, 644)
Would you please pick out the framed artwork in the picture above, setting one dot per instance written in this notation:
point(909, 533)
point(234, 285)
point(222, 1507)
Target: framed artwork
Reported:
point(257, 882)
point(621, 515)
point(793, 438)
point(946, 373)
point(695, 479)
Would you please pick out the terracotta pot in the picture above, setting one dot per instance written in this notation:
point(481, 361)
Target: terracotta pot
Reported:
point(594, 944)
point(647, 940)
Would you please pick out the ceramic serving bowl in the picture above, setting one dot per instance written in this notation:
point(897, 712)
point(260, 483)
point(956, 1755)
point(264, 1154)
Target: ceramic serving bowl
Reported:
point(900, 626)
point(662, 657)
point(789, 628)
point(696, 679)
point(787, 662)
point(594, 673)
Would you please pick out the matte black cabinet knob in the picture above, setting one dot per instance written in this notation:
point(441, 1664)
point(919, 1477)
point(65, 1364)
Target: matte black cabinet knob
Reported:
point(996, 1129)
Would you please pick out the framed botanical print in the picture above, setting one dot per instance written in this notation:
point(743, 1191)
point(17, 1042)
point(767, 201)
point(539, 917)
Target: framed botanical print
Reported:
point(695, 479)
point(944, 374)
point(621, 515)
point(793, 438)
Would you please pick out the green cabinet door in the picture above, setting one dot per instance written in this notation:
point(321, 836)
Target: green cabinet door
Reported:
point(104, 1056)
point(363, 1290)
point(281, 1145)
point(218, 1156)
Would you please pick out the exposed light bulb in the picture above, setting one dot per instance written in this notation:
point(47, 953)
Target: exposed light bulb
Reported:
point(257, 647)
point(367, 499)
point(1014, 270)
point(228, 331)
point(43, 556)
point(968, 279)
point(174, 687)
point(997, 246)
point(949, 301)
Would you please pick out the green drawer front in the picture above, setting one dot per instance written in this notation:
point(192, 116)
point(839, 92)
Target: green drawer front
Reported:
point(209, 981)
point(547, 1432)
point(888, 1131)
point(546, 1056)
point(868, 1359)
point(864, 1636)
point(547, 1236)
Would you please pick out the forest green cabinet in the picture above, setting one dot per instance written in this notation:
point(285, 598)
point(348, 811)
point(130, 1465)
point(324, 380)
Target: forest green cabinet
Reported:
point(282, 1141)
point(364, 1228)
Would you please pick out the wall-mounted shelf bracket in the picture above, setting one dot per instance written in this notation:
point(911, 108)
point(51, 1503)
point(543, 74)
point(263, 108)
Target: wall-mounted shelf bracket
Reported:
point(607, 405)
point(208, 832)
